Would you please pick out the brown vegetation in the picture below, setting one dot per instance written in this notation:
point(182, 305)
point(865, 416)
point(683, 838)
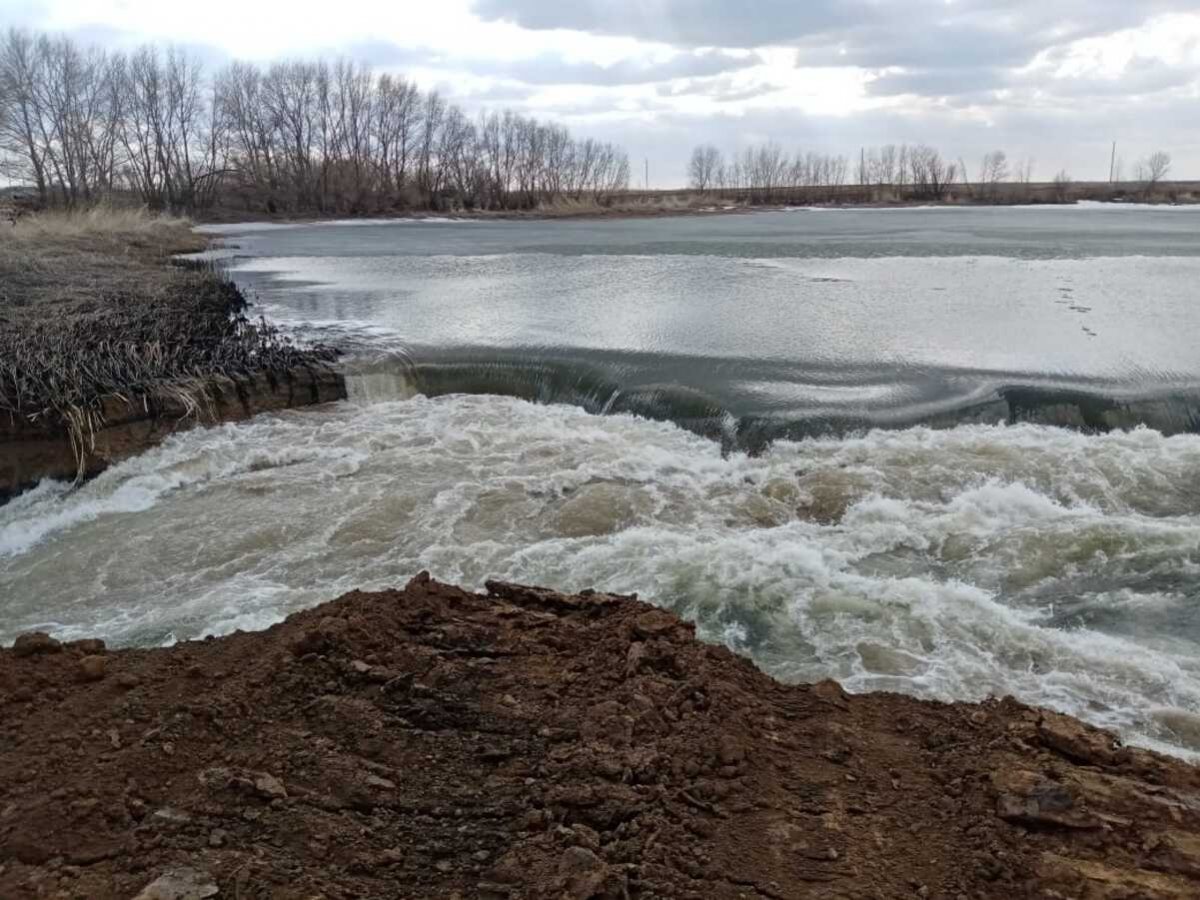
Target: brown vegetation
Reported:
point(524, 743)
point(91, 311)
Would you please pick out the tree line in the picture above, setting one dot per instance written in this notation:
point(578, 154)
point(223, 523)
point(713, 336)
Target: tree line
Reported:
point(765, 173)
point(80, 123)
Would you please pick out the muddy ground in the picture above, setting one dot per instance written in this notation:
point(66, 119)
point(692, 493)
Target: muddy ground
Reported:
point(432, 742)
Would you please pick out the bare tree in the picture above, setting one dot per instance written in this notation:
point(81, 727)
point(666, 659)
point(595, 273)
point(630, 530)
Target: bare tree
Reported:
point(885, 165)
point(705, 164)
point(1154, 168)
point(931, 174)
point(992, 171)
point(1062, 186)
point(21, 131)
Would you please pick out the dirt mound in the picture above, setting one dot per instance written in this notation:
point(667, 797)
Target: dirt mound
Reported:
point(438, 743)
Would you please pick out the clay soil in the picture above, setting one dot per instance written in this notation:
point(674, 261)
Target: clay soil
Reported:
point(432, 742)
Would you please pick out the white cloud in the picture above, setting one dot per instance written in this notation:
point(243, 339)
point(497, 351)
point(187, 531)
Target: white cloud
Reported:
point(1053, 80)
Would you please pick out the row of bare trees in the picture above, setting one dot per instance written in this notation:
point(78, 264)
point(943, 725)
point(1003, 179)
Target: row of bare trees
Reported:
point(303, 136)
point(764, 173)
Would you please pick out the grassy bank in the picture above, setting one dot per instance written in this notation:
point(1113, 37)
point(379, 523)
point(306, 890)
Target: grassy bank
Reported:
point(92, 309)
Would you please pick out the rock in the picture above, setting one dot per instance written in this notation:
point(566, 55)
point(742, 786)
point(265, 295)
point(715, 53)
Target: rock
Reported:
point(180, 884)
point(217, 837)
point(377, 782)
point(172, 815)
point(1028, 799)
point(128, 681)
point(89, 646)
point(215, 779)
point(586, 876)
point(655, 623)
point(269, 786)
point(360, 667)
point(328, 633)
point(1078, 742)
point(35, 643)
point(92, 668)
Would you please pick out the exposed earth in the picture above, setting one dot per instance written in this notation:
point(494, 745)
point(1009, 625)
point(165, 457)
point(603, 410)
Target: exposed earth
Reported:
point(432, 742)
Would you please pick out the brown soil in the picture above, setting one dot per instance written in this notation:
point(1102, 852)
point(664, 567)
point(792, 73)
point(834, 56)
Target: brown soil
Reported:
point(524, 743)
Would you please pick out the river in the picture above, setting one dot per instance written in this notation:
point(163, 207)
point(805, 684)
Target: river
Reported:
point(830, 438)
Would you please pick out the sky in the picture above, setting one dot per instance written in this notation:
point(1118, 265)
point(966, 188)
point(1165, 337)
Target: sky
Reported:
point(1055, 81)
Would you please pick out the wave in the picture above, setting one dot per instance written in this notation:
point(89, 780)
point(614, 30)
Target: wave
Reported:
point(956, 563)
point(770, 401)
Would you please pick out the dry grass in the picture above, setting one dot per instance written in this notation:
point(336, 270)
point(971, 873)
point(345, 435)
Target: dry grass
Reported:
point(53, 263)
point(107, 221)
point(127, 230)
point(91, 308)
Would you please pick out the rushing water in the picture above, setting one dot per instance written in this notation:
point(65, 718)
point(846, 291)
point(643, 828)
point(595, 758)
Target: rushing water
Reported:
point(987, 555)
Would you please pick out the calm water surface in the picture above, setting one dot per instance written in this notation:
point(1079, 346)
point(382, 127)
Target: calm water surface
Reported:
point(789, 323)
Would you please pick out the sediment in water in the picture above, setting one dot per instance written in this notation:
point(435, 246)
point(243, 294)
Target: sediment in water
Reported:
point(432, 742)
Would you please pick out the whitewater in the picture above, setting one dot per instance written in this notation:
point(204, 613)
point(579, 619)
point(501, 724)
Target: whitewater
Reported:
point(955, 564)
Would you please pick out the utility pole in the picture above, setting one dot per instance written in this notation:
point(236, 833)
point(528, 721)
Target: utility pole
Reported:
point(1112, 165)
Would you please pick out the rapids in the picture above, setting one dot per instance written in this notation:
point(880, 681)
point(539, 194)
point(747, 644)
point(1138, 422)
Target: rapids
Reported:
point(1056, 566)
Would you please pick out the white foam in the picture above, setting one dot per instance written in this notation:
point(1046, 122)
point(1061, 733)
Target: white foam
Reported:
point(953, 549)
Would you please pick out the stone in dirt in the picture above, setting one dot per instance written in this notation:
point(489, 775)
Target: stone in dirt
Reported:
point(92, 668)
point(269, 786)
point(180, 884)
point(677, 770)
point(35, 643)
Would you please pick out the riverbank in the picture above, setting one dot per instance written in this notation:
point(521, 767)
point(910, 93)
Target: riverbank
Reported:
point(522, 743)
point(643, 204)
point(107, 346)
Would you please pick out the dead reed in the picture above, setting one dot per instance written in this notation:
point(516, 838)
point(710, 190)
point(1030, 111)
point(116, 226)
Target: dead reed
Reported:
point(91, 310)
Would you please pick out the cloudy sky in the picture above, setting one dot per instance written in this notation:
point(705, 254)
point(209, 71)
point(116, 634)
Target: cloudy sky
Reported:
point(1052, 80)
